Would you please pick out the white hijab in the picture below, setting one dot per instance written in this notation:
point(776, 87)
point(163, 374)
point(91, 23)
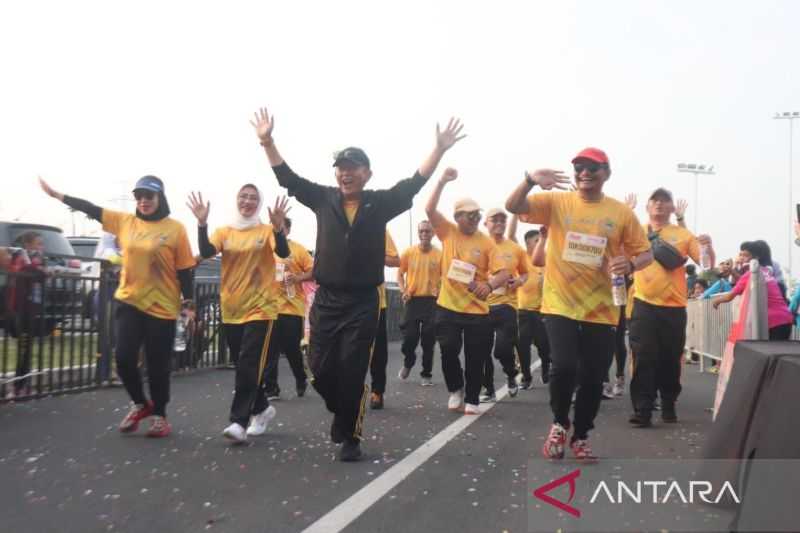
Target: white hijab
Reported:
point(242, 222)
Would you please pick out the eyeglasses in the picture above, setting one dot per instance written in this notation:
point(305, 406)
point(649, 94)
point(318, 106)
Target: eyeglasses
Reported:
point(591, 168)
point(146, 195)
point(251, 197)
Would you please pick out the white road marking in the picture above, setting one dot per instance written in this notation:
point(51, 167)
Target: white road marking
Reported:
point(346, 512)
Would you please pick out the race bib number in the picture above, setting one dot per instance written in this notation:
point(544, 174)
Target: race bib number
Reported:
point(462, 271)
point(280, 271)
point(584, 249)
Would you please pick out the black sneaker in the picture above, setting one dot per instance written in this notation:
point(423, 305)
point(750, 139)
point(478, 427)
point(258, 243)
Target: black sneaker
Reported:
point(526, 384)
point(641, 420)
point(668, 414)
point(337, 437)
point(301, 389)
point(513, 388)
point(545, 374)
point(274, 395)
point(350, 451)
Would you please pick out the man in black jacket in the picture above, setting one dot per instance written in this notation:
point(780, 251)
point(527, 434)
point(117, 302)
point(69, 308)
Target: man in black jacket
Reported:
point(348, 266)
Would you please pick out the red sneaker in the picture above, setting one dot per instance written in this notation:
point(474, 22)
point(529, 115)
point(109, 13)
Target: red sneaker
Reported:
point(553, 447)
point(582, 450)
point(159, 427)
point(137, 413)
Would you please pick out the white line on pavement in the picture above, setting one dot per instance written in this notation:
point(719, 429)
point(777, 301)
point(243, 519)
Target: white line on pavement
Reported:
point(346, 512)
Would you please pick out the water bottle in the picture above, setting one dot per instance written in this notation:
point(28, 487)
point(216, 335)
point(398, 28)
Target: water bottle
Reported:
point(705, 257)
point(618, 290)
point(290, 292)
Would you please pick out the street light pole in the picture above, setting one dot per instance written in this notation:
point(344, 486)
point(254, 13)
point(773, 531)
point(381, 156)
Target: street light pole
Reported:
point(695, 169)
point(790, 116)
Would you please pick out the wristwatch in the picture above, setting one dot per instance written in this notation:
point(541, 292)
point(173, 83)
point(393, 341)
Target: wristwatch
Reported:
point(529, 179)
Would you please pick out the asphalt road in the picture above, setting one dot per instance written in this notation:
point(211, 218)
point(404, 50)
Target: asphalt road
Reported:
point(64, 467)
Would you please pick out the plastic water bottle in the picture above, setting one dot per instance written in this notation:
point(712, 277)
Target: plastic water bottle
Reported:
point(705, 257)
point(290, 292)
point(618, 290)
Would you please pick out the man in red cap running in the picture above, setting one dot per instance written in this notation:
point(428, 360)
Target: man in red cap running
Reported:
point(592, 237)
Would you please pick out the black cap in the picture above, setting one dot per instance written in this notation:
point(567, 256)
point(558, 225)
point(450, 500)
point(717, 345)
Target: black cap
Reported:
point(661, 192)
point(149, 183)
point(352, 154)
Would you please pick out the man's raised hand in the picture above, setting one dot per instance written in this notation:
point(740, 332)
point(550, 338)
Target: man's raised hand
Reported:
point(449, 174)
point(263, 124)
point(445, 139)
point(550, 179)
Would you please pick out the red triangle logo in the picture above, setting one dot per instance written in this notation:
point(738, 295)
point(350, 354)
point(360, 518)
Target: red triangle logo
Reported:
point(570, 478)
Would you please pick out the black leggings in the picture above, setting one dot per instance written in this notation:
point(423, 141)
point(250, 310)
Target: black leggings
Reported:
point(135, 329)
point(780, 333)
point(620, 350)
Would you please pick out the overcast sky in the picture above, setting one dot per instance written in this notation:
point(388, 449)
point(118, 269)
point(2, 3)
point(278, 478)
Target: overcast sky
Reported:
point(96, 94)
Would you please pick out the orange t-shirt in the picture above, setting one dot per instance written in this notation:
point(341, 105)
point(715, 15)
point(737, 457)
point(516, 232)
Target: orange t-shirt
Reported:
point(583, 237)
point(152, 254)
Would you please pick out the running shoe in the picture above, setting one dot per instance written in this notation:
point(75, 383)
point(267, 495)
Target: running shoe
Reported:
point(301, 388)
point(350, 451)
point(619, 386)
point(137, 413)
point(159, 427)
point(258, 423)
point(513, 388)
point(553, 447)
point(641, 420)
point(235, 433)
point(526, 384)
point(274, 395)
point(376, 400)
point(456, 400)
point(471, 409)
point(668, 414)
point(608, 391)
point(404, 372)
point(488, 397)
point(337, 437)
point(426, 382)
point(582, 451)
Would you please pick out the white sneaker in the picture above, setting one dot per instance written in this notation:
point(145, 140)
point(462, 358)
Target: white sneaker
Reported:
point(258, 423)
point(470, 409)
point(236, 433)
point(456, 401)
point(487, 398)
point(619, 386)
point(608, 391)
point(404, 372)
point(427, 382)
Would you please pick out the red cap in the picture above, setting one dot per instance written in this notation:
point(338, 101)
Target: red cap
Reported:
point(593, 154)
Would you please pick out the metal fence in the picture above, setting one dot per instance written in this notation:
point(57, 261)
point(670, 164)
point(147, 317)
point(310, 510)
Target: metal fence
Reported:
point(707, 329)
point(57, 332)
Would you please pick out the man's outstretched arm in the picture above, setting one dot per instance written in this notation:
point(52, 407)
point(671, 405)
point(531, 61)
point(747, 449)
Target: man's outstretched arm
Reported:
point(307, 192)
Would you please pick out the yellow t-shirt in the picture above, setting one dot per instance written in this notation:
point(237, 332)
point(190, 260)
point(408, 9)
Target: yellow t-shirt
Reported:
point(423, 271)
point(529, 296)
point(247, 288)
point(152, 254)
point(465, 256)
point(291, 298)
point(350, 209)
point(583, 236)
point(513, 258)
point(659, 286)
point(391, 250)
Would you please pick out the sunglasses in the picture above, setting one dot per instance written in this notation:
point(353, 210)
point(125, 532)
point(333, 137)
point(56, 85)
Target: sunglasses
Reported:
point(143, 195)
point(471, 215)
point(589, 167)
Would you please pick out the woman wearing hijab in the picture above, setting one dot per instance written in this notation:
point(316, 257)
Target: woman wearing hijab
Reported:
point(157, 267)
point(248, 299)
